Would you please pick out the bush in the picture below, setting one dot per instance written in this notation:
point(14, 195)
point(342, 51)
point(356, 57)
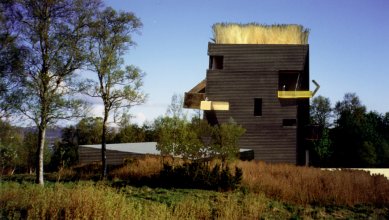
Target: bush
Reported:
point(200, 176)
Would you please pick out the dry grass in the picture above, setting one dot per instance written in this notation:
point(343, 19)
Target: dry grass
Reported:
point(83, 201)
point(304, 185)
point(88, 201)
point(289, 183)
point(231, 33)
point(137, 168)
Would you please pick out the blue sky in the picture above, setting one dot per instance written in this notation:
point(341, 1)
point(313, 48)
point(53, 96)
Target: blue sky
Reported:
point(349, 44)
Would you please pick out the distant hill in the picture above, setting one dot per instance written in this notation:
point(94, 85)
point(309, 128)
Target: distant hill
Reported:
point(52, 133)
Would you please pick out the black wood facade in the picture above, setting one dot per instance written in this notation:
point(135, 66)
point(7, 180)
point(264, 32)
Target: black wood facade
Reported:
point(89, 155)
point(249, 77)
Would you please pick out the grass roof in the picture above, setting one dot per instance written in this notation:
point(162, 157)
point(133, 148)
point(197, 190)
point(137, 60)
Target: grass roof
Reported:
point(233, 33)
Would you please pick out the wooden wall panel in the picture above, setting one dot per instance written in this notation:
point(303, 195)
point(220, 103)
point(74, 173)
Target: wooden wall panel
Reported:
point(89, 155)
point(251, 71)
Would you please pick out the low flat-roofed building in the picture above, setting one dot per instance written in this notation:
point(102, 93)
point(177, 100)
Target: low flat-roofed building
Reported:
point(117, 153)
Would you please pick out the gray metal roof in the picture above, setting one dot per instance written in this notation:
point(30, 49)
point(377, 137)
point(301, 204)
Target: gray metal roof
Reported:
point(138, 148)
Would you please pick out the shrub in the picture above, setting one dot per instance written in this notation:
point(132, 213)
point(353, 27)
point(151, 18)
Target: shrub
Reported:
point(200, 176)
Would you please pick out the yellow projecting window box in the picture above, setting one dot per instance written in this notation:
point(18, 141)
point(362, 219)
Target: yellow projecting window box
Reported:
point(294, 94)
point(214, 105)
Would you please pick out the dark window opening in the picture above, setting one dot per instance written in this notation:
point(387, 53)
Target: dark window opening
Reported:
point(257, 107)
point(216, 62)
point(289, 81)
point(289, 122)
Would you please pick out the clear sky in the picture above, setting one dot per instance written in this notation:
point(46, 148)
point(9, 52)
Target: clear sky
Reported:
point(349, 44)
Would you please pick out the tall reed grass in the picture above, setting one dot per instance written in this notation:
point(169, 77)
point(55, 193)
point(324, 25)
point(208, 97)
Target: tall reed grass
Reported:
point(81, 201)
point(232, 33)
point(306, 185)
point(290, 183)
point(282, 182)
point(86, 200)
point(138, 168)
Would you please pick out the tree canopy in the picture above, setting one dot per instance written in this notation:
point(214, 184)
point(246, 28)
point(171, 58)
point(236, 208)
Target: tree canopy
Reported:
point(53, 35)
point(118, 87)
point(357, 138)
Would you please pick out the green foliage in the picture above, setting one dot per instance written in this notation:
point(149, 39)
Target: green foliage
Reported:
point(29, 155)
point(323, 148)
point(64, 155)
point(10, 148)
point(175, 137)
point(52, 34)
point(200, 176)
point(89, 130)
point(357, 139)
point(7, 159)
point(130, 133)
point(119, 88)
point(12, 56)
point(197, 139)
point(321, 111)
point(227, 138)
point(353, 134)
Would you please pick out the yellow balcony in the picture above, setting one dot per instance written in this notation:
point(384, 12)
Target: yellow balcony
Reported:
point(212, 105)
point(294, 94)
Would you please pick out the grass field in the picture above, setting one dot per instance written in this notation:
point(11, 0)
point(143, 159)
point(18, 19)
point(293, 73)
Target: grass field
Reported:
point(90, 200)
point(267, 191)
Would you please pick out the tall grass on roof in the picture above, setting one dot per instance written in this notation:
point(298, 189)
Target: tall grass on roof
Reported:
point(232, 33)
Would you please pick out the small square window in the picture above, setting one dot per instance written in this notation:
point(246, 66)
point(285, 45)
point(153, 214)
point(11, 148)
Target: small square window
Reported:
point(216, 62)
point(257, 107)
point(289, 122)
point(289, 81)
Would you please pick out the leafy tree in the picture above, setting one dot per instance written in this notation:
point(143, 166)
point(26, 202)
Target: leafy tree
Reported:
point(28, 154)
point(197, 139)
point(321, 114)
point(321, 111)
point(8, 156)
point(376, 142)
point(175, 109)
point(351, 104)
point(110, 37)
point(347, 136)
point(65, 152)
point(206, 138)
point(89, 130)
point(130, 133)
point(11, 60)
point(53, 33)
point(357, 138)
point(322, 149)
point(10, 147)
point(228, 135)
point(176, 135)
point(170, 134)
point(149, 132)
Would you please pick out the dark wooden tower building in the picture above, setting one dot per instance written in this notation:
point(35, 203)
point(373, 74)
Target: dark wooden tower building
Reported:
point(264, 88)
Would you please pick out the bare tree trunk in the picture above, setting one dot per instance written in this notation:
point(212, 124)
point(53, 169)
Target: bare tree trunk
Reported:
point(39, 153)
point(103, 145)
